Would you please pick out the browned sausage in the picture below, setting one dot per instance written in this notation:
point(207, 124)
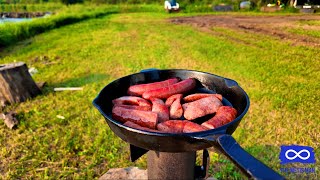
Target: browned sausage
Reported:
point(172, 98)
point(176, 110)
point(139, 89)
point(224, 115)
point(201, 107)
point(190, 127)
point(174, 102)
point(131, 100)
point(177, 88)
point(143, 118)
point(142, 108)
point(196, 96)
point(160, 108)
point(136, 126)
point(172, 126)
point(180, 126)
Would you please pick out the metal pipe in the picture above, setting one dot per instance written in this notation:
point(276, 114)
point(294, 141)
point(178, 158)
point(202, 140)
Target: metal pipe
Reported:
point(164, 165)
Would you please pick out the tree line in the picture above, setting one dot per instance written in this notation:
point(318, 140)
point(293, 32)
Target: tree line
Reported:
point(195, 2)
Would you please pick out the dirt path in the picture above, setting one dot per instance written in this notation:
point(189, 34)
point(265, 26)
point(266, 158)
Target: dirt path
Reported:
point(276, 26)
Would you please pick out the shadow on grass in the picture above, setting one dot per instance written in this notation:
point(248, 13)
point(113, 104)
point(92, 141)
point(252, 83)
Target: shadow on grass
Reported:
point(81, 81)
point(75, 82)
point(48, 89)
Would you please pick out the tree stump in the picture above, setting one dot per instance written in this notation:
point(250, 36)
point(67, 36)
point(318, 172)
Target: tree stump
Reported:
point(16, 84)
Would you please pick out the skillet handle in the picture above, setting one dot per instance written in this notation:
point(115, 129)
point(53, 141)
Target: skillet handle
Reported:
point(245, 161)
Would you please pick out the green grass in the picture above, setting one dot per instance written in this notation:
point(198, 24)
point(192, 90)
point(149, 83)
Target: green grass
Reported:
point(14, 32)
point(311, 22)
point(307, 32)
point(282, 82)
point(306, 28)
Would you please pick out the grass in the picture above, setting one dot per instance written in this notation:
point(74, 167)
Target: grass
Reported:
point(62, 15)
point(14, 32)
point(306, 28)
point(307, 32)
point(281, 80)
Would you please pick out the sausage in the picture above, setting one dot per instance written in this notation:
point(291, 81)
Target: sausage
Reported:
point(142, 108)
point(180, 126)
point(143, 118)
point(176, 110)
point(136, 126)
point(177, 88)
point(172, 126)
point(131, 100)
point(224, 115)
point(160, 108)
point(201, 107)
point(139, 89)
point(174, 102)
point(196, 96)
point(172, 98)
point(191, 127)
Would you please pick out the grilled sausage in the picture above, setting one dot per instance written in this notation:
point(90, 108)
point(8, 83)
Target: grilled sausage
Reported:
point(176, 110)
point(160, 108)
point(172, 98)
point(172, 126)
point(136, 126)
point(142, 108)
point(201, 107)
point(131, 100)
point(191, 127)
point(139, 89)
point(174, 103)
point(177, 88)
point(143, 118)
point(224, 115)
point(180, 126)
point(197, 96)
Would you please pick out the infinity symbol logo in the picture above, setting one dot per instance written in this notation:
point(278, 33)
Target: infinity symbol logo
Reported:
point(297, 154)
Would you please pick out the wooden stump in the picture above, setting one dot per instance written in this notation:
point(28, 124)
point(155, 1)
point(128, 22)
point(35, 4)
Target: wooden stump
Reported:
point(16, 84)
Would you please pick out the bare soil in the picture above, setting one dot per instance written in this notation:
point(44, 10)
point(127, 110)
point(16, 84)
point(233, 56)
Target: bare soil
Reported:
point(275, 26)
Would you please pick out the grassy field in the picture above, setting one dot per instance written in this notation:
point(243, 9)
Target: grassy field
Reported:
point(282, 82)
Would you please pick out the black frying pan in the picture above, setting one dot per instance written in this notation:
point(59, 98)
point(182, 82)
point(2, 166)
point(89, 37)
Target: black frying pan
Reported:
point(221, 137)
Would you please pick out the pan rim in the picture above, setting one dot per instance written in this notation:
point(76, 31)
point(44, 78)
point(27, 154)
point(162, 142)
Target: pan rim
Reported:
point(219, 130)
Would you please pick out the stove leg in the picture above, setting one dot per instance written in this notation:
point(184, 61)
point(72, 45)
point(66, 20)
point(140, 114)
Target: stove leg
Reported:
point(164, 165)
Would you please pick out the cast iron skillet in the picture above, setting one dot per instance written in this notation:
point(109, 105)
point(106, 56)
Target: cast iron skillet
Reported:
point(221, 137)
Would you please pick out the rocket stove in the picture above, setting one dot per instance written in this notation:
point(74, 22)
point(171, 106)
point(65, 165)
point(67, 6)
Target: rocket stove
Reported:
point(173, 156)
